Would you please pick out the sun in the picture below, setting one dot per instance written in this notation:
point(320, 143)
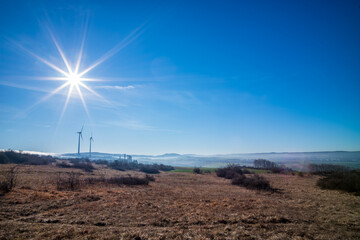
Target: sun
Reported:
point(74, 79)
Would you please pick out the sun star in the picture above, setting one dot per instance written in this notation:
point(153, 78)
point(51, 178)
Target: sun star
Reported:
point(72, 77)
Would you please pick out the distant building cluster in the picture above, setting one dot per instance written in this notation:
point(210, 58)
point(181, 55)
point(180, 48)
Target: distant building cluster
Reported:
point(125, 158)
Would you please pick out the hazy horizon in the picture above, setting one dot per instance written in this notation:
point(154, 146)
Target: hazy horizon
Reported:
point(165, 153)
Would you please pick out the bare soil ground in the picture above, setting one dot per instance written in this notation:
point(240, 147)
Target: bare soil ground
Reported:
point(175, 206)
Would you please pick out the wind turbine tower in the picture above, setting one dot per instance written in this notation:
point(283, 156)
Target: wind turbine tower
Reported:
point(80, 135)
point(91, 140)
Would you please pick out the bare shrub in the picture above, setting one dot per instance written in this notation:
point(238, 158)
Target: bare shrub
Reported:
point(91, 180)
point(346, 181)
point(149, 169)
point(324, 169)
point(134, 165)
point(85, 165)
point(63, 165)
point(128, 180)
point(238, 180)
point(101, 162)
point(9, 181)
point(220, 172)
point(230, 171)
point(256, 182)
point(150, 178)
point(121, 180)
point(237, 175)
point(276, 170)
point(68, 181)
point(230, 174)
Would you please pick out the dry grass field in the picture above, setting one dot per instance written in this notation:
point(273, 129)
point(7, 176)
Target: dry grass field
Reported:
point(175, 206)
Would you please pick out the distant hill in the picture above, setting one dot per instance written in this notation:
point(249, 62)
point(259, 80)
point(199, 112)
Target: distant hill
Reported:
point(295, 160)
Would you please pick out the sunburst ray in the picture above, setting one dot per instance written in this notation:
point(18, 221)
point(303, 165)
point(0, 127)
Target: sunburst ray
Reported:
point(41, 59)
point(82, 100)
point(60, 51)
point(72, 77)
point(129, 39)
point(81, 47)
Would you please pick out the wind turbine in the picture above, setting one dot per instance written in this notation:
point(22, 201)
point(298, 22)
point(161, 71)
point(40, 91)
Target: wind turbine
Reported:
point(80, 135)
point(91, 139)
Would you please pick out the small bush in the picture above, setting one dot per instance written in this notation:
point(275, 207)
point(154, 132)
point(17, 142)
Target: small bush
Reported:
point(163, 167)
point(256, 182)
point(276, 170)
point(134, 165)
point(101, 162)
point(238, 180)
point(150, 178)
point(63, 165)
point(9, 180)
point(149, 169)
point(128, 180)
point(86, 166)
point(197, 171)
point(220, 172)
point(68, 181)
point(78, 164)
point(346, 181)
point(121, 180)
point(229, 172)
point(324, 169)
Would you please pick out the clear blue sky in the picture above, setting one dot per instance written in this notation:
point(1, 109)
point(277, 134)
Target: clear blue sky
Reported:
point(197, 77)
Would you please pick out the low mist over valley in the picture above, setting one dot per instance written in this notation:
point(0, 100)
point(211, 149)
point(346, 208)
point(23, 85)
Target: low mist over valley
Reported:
point(294, 160)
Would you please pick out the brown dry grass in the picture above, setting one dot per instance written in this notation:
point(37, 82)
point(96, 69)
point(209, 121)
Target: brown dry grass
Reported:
point(175, 206)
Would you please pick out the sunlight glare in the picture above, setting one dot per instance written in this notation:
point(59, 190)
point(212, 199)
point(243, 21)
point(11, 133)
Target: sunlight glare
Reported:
point(74, 79)
point(72, 76)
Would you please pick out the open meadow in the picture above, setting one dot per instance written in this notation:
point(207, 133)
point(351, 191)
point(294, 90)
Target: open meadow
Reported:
point(177, 205)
